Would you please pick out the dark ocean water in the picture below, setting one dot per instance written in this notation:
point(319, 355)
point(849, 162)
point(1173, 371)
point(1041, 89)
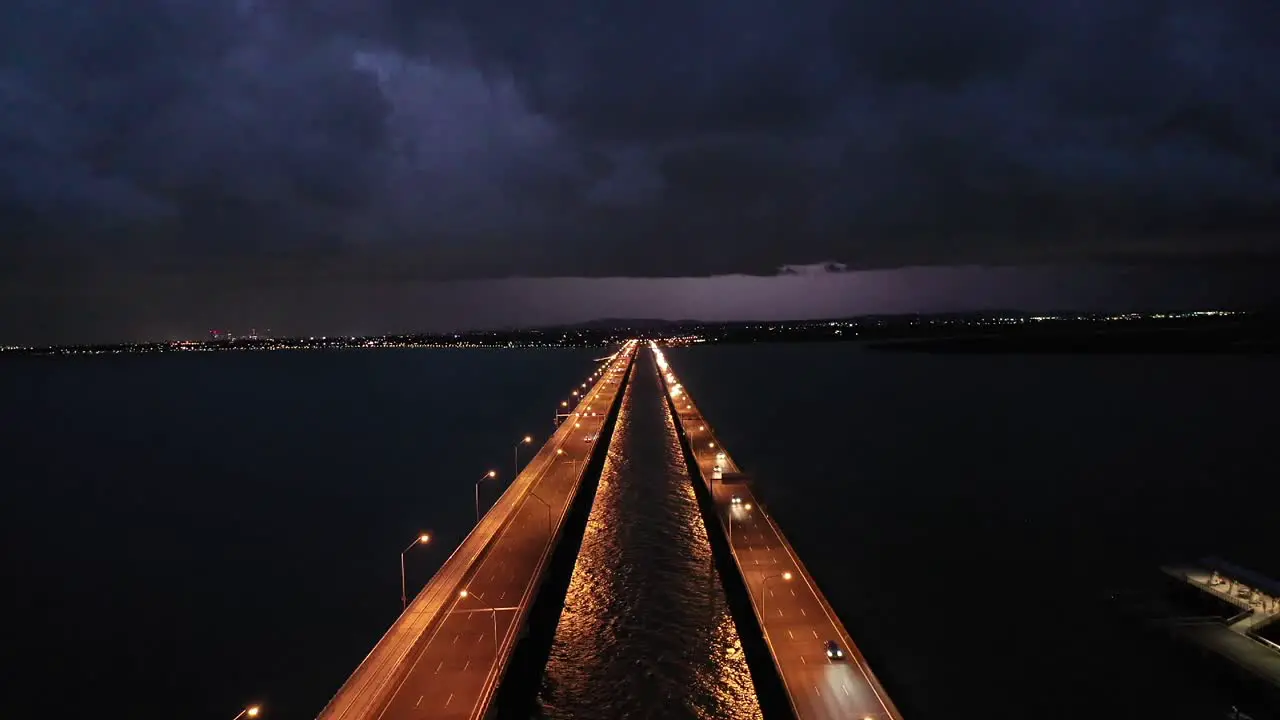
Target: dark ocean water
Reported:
point(965, 515)
point(186, 533)
point(646, 631)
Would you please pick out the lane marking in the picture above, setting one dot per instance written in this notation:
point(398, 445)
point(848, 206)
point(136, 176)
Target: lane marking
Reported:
point(446, 702)
point(415, 705)
point(437, 672)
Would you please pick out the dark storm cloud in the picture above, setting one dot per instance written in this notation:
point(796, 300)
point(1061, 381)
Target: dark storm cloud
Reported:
point(415, 140)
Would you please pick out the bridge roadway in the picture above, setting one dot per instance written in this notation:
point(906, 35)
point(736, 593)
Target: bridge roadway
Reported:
point(447, 653)
point(796, 619)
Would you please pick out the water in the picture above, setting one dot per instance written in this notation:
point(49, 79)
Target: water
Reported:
point(646, 631)
point(185, 533)
point(965, 515)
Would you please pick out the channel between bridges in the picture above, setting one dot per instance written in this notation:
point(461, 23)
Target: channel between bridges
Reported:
point(447, 653)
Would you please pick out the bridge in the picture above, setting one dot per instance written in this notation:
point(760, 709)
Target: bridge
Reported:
point(790, 611)
point(447, 653)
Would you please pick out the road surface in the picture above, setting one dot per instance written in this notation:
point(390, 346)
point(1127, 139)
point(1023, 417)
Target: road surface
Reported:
point(798, 621)
point(447, 652)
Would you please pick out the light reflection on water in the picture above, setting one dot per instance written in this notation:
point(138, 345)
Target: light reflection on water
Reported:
point(645, 630)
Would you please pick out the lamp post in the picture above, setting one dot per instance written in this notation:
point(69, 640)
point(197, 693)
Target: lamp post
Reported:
point(515, 466)
point(250, 712)
point(546, 507)
point(572, 461)
point(764, 584)
point(493, 611)
point(422, 539)
point(486, 476)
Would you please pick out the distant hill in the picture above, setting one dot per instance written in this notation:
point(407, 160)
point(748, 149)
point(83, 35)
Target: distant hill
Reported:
point(626, 323)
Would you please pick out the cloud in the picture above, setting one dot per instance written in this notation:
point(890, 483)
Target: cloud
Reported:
point(489, 138)
point(822, 268)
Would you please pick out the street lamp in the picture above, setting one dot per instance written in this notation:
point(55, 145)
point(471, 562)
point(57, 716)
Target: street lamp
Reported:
point(486, 476)
point(494, 611)
point(422, 539)
point(251, 712)
point(764, 584)
point(546, 507)
point(574, 461)
point(515, 466)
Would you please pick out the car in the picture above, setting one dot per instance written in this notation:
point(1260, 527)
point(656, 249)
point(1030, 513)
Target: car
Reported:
point(833, 650)
point(736, 500)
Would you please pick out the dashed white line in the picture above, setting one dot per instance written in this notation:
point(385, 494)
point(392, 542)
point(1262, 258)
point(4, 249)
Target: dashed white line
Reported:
point(437, 672)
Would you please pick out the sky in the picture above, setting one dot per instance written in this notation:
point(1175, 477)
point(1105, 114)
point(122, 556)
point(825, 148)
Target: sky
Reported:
point(170, 166)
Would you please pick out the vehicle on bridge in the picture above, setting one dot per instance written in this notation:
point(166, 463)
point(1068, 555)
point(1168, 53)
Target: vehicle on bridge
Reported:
point(834, 652)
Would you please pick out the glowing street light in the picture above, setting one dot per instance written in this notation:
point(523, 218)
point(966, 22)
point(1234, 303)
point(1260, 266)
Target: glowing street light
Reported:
point(786, 577)
point(463, 594)
point(515, 466)
point(486, 476)
point(422, 539)
point(250, 712)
